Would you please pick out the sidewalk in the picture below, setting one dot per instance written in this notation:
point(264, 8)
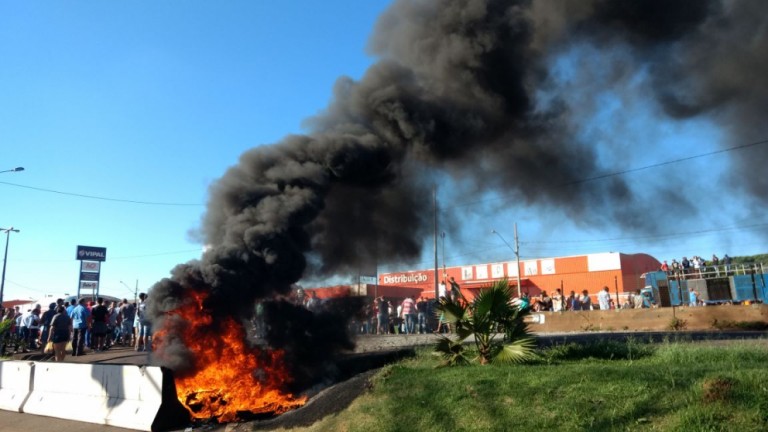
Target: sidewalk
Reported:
point(115, 355)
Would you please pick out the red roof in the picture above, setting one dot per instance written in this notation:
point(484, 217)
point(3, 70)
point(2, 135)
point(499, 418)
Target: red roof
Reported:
point(13, 303)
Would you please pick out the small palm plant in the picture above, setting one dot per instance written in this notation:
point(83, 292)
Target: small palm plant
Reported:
point(497, 326)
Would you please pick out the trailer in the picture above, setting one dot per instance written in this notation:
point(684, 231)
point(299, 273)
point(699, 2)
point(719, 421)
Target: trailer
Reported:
point(742, 286)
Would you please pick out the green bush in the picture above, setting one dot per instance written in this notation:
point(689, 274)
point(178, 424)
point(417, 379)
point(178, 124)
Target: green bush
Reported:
point(739, 325)
point(677, 324)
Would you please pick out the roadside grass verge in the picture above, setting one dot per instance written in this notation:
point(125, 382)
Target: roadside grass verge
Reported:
point(595, 387)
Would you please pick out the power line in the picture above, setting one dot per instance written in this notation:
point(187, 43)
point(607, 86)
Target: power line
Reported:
point(574, 182)
point(114, 258)
point(157, 254)
point(629, 170)
point(479, 252)
point(25, 287)
point(156, 203)
point(669, 162)
point(658, 236)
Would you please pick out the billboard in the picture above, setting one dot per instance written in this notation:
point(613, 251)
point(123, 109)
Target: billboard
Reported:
point(91, 253)
point(90, 258)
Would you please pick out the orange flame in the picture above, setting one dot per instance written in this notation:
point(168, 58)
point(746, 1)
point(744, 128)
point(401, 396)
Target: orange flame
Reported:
point(229, 377)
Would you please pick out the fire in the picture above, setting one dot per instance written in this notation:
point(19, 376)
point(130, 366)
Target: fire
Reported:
point(230, 377)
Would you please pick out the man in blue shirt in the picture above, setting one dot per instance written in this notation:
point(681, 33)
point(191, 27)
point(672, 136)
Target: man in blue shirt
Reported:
point(693, 298)
point(80, 322)
point(71, 306)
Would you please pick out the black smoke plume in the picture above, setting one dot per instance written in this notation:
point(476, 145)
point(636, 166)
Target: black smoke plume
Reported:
point(465, 88)
point(311, 340)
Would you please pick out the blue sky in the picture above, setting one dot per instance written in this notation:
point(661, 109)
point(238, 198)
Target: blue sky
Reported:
point(145, 103)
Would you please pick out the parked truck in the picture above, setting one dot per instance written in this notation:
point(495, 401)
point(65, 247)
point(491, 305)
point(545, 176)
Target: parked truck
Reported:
point(736, 286)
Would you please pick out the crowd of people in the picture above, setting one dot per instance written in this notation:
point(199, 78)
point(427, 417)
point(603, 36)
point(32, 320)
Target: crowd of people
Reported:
point(81, 324)
point(389, 316)
point(698, 266)
point(386, 315)
point(409, 316)
point(558, 302)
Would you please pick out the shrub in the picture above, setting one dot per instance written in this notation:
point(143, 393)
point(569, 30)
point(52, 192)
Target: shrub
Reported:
point(677, 324)
point(489, 313)
point(740, 325)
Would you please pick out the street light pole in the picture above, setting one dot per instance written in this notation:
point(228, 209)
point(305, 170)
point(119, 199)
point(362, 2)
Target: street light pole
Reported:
point(17, 169)
point(516, 250)
point(8, 232)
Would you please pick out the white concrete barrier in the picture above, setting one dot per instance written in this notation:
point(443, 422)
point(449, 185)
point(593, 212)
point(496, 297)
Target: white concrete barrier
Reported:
point(115, 395)
point(15, 384)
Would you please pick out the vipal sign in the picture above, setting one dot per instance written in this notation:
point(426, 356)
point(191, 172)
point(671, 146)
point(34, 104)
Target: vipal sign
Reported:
point(91, 253)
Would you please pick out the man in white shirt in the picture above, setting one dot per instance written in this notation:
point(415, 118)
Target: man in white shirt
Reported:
point(604, 299)
point(31, 322)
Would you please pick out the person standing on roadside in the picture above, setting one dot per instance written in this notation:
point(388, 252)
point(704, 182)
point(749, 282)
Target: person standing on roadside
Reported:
point(61, 328)
point(572, 302)
point(127, 315)
point(143, 326)
point(558, 301)
point(382, 307)
point(80, 322)
point(32, 322)
point(100, 319)
point(693, 298)
point(604, 299)
point(422, 307)
point(45, 323)
point(71, 306)
point(585, 302)
point(408, 312)
point(113, 331)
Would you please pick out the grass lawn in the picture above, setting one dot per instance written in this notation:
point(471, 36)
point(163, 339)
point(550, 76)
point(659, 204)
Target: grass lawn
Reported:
point(605, 386)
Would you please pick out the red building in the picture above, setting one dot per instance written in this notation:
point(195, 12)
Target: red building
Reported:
point(619, 272)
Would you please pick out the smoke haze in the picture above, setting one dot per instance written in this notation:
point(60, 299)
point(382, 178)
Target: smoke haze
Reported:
point(466, 88)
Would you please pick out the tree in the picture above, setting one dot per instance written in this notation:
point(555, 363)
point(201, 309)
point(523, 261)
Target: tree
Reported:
point(496, 325)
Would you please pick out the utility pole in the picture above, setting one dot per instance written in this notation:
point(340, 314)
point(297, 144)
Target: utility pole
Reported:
point(442, 235)
point(516, 250)
point(437, 268)
point(517, 255)
point(8, 232)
